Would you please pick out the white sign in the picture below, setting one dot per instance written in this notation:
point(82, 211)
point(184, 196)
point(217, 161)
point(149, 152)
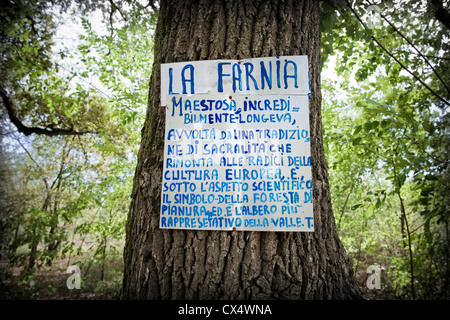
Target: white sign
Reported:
point(237, 145)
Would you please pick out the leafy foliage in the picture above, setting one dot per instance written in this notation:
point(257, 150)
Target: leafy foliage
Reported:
point(69, 178)
point(388, 149)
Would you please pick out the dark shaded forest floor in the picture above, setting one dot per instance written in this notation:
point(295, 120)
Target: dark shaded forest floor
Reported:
point(49, 283)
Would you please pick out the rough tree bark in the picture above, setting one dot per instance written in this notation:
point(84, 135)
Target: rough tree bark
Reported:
point(179, 264)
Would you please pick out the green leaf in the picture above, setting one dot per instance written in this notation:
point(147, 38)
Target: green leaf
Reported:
point(357, 129)
point(356, 141)
point(378, 204)
point(356, 206)
point(360, 104)
point(428, 126)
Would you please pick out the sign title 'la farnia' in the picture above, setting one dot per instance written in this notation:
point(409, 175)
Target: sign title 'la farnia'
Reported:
point(275, 75)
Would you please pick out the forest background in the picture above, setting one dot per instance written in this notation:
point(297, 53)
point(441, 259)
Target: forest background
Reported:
point(74, 86)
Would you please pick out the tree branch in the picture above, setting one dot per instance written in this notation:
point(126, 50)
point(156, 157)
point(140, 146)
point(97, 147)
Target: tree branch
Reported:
point(396, 60)
point(7, 102)
point(440, 12)
point(63, 163)
point(345, 204)
point(152, 4)
point(114, 7)
point(425, 55)
point(34, 161)
point(415, 48)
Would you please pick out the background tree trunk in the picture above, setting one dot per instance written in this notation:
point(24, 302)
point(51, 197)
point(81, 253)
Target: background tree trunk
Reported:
point(180, 264)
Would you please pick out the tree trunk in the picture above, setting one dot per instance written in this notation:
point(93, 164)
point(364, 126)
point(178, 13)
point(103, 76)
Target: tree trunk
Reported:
point(180, 264)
